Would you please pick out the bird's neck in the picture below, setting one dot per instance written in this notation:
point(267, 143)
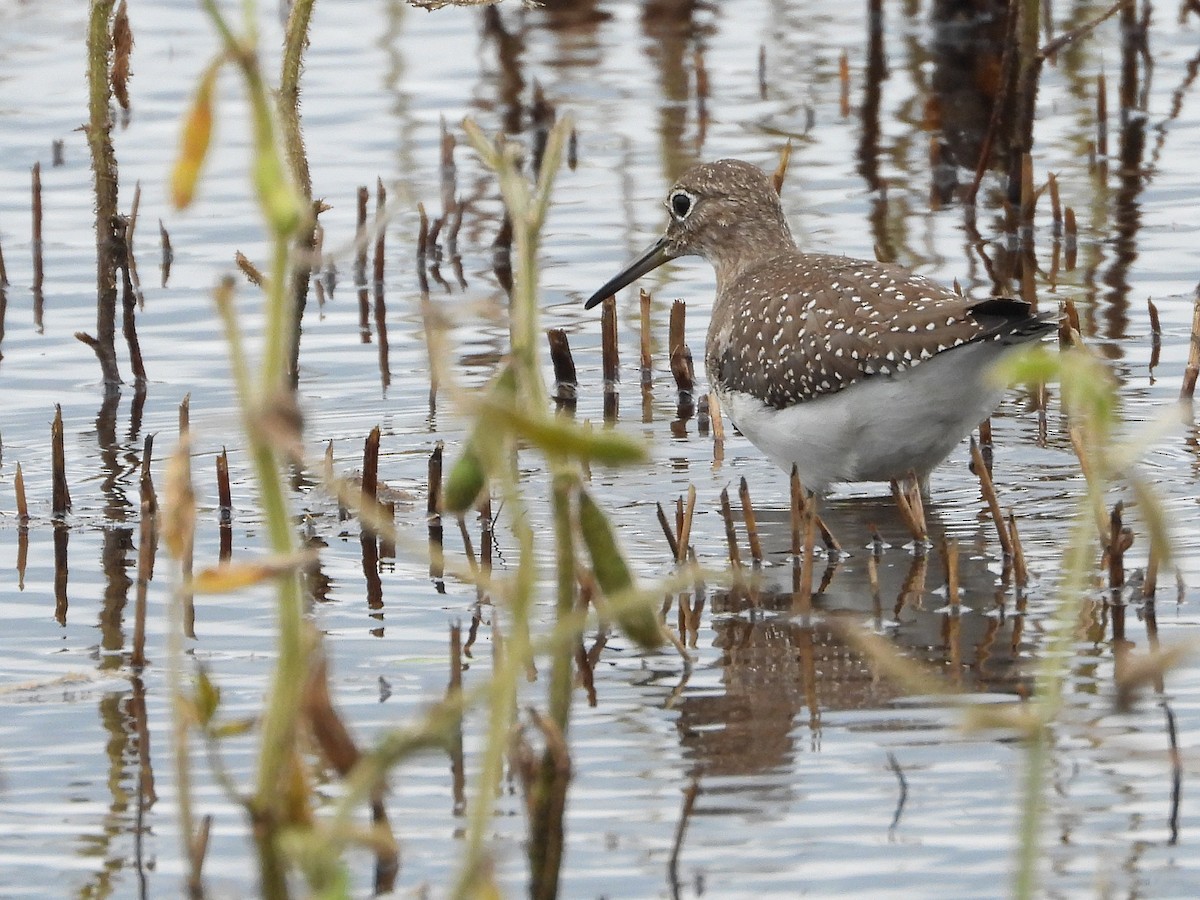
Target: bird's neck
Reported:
point(736, 259)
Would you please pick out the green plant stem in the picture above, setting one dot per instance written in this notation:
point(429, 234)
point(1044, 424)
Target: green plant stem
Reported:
point(282, 714)
point(280, 325)
point(502, 698)
point(545, 847)
point(277, 752)
point(1050, 684)
point(562, 671)
point(180, 727)
point(527, 213)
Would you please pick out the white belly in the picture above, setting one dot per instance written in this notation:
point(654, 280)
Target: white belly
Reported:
point(879, 428)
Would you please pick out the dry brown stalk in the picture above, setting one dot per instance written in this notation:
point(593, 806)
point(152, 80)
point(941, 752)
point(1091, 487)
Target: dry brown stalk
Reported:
point(735, 558)
point(666, 527)
point(989, 494)
point(751, 523)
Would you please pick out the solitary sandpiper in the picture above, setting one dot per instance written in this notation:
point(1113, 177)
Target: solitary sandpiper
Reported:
point(847, 369)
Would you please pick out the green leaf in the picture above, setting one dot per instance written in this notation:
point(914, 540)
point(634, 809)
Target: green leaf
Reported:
point(634, 613)
point(207, 697)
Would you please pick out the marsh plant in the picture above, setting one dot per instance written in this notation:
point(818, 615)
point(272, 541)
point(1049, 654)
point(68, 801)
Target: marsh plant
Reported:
point(291, 830)
point(297, 834)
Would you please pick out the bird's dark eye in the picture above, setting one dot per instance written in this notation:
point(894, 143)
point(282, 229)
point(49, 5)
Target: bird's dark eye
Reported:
point(681, 204)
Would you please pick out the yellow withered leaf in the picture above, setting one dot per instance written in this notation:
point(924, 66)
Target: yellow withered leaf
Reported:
point(230, 577)
point(178, 504)
point(194, 142)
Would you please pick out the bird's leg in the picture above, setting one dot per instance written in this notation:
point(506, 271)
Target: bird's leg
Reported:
point(907, 492)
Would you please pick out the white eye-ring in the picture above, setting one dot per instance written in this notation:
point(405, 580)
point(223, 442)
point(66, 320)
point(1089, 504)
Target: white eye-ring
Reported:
point(681, 203)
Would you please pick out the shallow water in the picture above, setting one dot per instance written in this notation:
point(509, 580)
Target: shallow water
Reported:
point(787, 728)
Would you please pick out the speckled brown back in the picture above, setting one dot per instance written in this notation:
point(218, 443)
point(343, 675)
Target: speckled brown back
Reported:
point(798, 325)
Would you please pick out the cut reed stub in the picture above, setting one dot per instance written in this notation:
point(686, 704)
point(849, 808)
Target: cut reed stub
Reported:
point(370, 468)
point(1070, 239)
point(38, 267)
point(387, 544)
point(1190, 373)
point(646, 361)
point(566, 382)
point(672, 542)
point(735, 557)
point(22, 502)
point(610, 361)
point(168, 253)
point(751, 522)
point(58, 463)
point(224, 494)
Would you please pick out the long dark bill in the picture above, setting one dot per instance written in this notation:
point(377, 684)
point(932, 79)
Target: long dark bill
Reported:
point(654, 257)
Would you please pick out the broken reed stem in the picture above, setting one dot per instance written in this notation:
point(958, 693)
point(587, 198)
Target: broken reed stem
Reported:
point(377, 269)
point(785, 157)
point(751, 523)
point(797, 497)
point(950, 557)
point(147, 541)
point(646, 360)
point(38, 264)
point(130, 227)
point(735, 558)
point(802, 589)
point(1190, 373)
point(676, 328)
point(608, 342)
point(168, 254)
point(224, 493)
point(1070, 239)
point(718, 423)
point(1020, 572)
point(433, 507)
point(827, 536)
point(22, 503)
point(844, 81)
point(1120, 539)
point(685, 528)
point(58, 463)
point(566, 382)
point(360, 236)
point(1055, 205)
point(188, 537)
point(1028, 197)
point(666, 529)
point(680, 354)
point(370, 471)
point(689, 802)
point(1150, 582)
point(989, 494)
